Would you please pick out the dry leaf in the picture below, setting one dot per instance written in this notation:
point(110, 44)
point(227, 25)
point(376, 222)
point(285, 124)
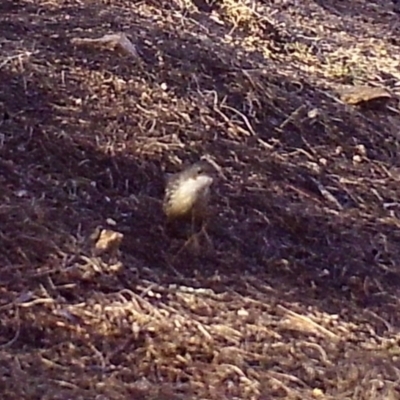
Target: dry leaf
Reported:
point(108, 241)
point(112, 41)
point(361, 94)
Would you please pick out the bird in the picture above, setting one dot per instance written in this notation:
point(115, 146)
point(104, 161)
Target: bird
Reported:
point(187, 196)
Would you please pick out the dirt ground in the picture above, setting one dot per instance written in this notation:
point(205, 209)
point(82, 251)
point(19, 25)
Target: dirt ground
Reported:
point(298, 296)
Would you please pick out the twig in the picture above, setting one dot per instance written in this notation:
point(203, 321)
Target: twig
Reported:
point(291, 116)
point(17, 333)
point(246, 121)
point(16, 57)
point(307, 324)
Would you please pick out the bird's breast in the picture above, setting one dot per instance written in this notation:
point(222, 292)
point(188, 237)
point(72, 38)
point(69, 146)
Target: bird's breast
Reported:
point(190, 196)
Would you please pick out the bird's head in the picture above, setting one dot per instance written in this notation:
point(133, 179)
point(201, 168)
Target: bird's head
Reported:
point(194, 179)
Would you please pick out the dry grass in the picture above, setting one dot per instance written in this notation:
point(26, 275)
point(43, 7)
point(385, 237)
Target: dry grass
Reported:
point(297, 299)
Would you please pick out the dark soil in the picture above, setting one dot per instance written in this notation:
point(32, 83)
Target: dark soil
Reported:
point(298, 296)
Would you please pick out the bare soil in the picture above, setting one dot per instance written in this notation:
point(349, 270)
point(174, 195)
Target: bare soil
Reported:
point(298, 296)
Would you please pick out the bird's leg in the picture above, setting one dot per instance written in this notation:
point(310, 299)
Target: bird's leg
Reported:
point(193, 240)
point(169, 263)
point(204, 232)
point(194, 235)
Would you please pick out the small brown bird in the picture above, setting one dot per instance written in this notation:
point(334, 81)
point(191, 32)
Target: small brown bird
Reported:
point(187, 196)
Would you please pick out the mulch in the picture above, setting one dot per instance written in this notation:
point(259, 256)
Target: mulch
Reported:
point(298, 295)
